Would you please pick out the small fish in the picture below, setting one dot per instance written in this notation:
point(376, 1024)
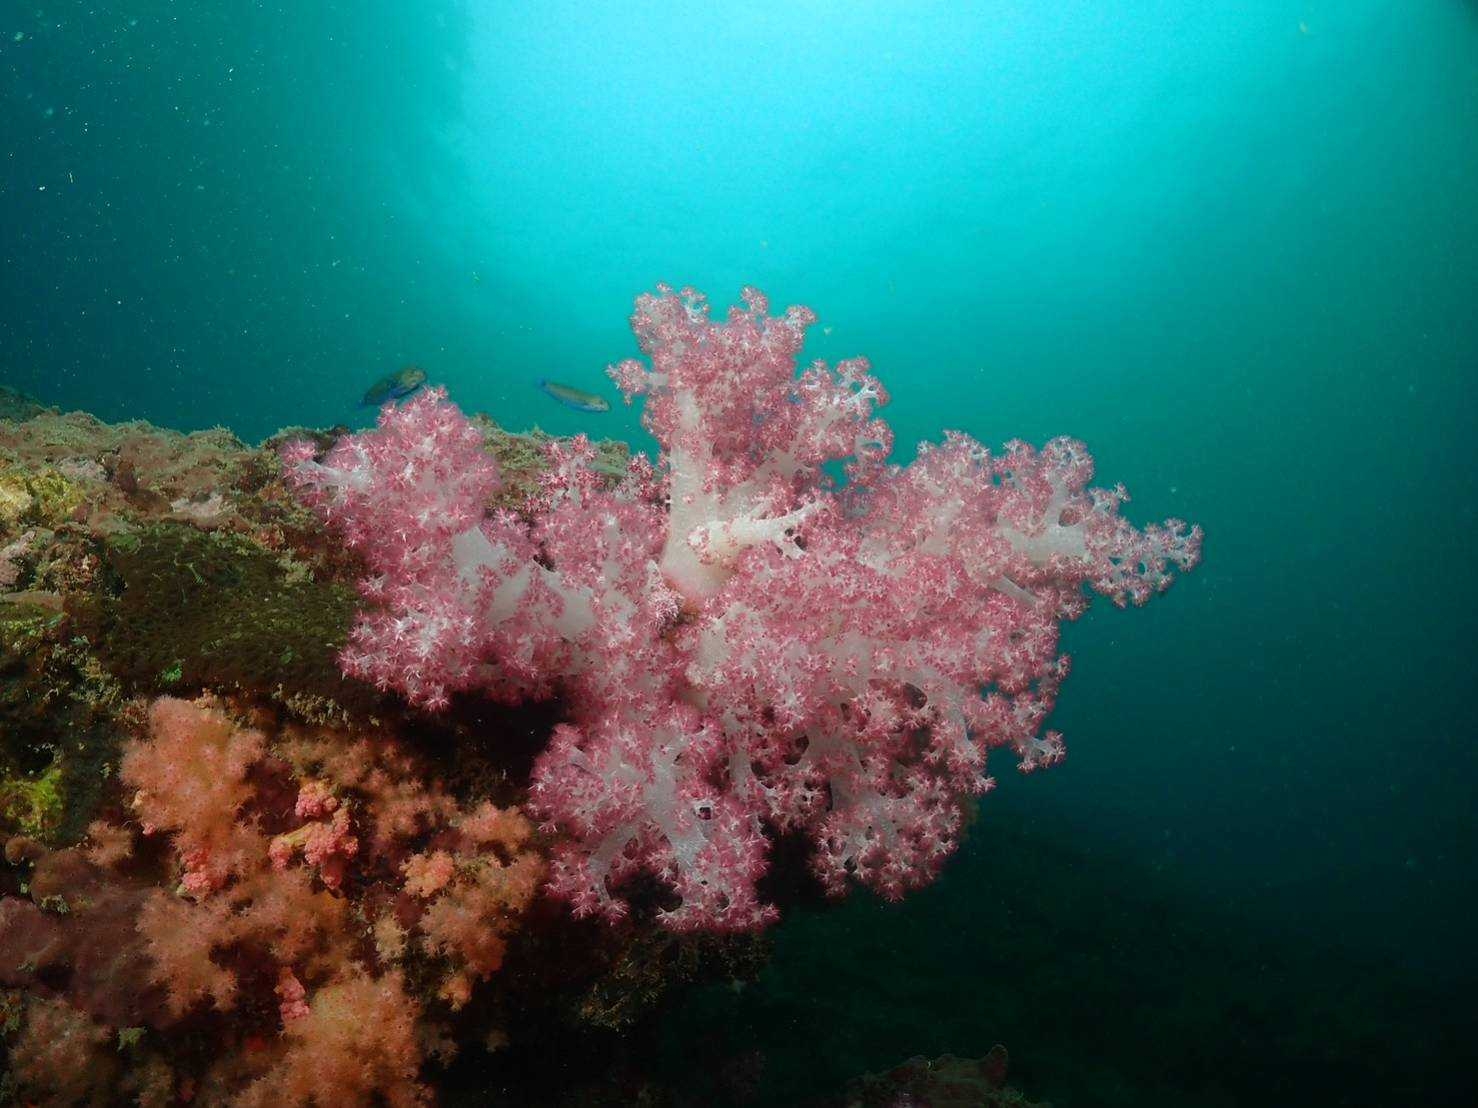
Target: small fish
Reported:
point(578, 399)
point(393, 387)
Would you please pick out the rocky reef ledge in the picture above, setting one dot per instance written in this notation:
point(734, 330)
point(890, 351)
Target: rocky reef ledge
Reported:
point(232, 875)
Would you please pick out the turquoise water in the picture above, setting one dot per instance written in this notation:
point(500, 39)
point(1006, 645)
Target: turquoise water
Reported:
point(1233, 246)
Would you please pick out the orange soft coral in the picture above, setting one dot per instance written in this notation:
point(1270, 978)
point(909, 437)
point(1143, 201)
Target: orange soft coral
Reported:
point(353, 1043)
point(469, 922)
point(62, 1056)
point(475, 885)
point(427, 874)
point(108, 846)
point(322, 871)
point(190, 779)
point(505, 828)
point(181, 938)
point(398, 804)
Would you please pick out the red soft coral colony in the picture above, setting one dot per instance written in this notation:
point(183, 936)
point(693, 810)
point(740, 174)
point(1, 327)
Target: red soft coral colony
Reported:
point(744, 643)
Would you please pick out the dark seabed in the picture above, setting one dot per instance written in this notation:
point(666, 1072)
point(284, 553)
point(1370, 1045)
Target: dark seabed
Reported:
point(1231, 244)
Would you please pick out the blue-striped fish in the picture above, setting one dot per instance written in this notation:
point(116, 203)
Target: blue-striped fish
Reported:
point(578, 399)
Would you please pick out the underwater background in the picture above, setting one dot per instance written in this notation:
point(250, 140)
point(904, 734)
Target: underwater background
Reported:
point(1233, 246)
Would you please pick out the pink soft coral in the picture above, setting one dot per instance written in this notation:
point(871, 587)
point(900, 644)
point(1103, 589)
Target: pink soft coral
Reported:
point(409, 496)
point(743, 642)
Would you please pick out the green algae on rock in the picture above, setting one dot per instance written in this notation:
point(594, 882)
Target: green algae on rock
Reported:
point(33, 805)
point(189, 609)
point(59, 726)
point(40, 497)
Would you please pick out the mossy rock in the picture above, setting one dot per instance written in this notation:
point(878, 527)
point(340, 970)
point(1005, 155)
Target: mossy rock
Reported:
point(653, 964)
point(29, 683)
point(54, 804)
point(523, 458)
point(19, 406)
point(188, 609)
point(59, 736)
point(33, 805)
point(15, 499)
point(24, 629)
point(31, 497)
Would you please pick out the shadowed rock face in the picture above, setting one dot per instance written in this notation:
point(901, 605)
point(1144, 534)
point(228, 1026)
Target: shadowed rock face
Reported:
point(16, 405)
point(75, 938)
point(943, 1082)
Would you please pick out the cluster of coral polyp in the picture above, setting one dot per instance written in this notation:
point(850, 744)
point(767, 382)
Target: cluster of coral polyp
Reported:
point(771, 629)
point(319, 869)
